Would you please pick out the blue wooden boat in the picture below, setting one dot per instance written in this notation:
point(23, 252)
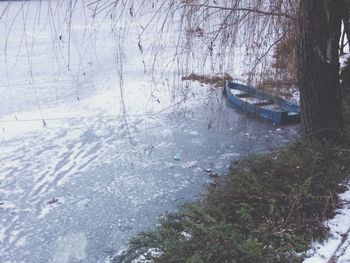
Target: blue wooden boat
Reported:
point(256, 102)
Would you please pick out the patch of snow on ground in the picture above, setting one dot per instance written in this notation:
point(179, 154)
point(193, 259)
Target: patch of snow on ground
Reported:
point(296, 97)
point(153, 252)
point(337, 247)
point(343, 59)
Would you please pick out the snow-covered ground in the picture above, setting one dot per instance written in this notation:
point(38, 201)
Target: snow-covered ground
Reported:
point(337, 247)
point(93, 146)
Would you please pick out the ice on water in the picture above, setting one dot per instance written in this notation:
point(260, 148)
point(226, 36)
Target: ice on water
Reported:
point(87, 160)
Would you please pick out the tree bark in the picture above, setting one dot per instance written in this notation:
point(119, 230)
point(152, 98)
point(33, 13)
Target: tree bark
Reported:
point(319, 24)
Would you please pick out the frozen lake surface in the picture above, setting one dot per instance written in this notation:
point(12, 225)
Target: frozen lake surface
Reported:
point(86, 164)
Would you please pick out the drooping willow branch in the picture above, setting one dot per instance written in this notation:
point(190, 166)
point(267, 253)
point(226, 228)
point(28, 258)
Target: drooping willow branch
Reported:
point(244, 9)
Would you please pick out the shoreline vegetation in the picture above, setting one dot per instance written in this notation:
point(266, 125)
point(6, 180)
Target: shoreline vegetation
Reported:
point(269, 208)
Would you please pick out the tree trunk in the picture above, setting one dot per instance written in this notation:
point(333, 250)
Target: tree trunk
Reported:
point(318, 68)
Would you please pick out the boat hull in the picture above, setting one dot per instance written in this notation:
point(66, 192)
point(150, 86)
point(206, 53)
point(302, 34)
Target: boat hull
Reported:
point(258, 103)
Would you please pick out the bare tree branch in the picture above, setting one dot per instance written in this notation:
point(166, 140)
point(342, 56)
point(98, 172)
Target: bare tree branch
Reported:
point(246, 9)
